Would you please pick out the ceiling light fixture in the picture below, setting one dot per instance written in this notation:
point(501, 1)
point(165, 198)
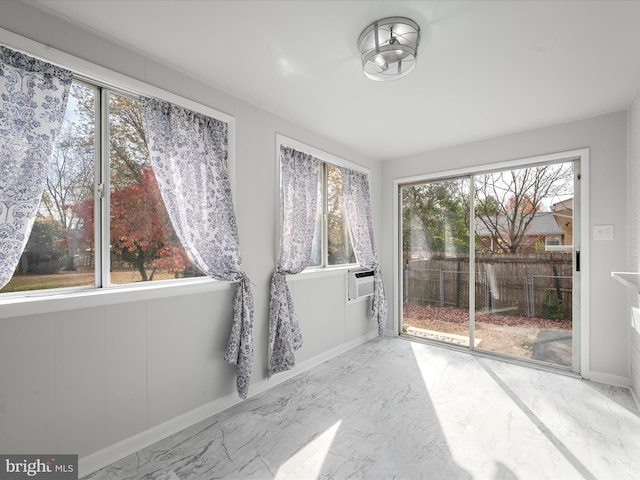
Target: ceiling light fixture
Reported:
point(389, 48)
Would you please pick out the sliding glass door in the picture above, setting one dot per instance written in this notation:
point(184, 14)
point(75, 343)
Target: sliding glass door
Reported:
point(435, 259)
point(488, 262)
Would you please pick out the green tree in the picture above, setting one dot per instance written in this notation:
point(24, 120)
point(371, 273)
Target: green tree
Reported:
point(485, 207)
point(435, 217)
point(45, 251)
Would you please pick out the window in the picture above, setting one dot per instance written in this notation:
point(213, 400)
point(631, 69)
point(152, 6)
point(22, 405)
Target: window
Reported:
point(143, 243)
point(553, 240)
point(331, 241)
point(102, 220)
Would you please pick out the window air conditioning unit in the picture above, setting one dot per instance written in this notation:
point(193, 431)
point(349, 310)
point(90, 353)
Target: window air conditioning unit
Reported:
point(359, 283)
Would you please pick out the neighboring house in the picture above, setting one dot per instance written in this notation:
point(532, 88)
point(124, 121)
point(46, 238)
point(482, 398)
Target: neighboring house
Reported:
point(543, 228)
point(563, 211)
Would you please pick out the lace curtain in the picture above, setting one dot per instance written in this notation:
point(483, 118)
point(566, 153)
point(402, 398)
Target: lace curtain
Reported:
point(355, 188)
point(189, 157)
point(33, 99)
point(300, 177)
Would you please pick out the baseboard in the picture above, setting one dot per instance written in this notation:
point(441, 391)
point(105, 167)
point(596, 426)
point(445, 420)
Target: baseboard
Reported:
point(635, 397)
point(608, 379)
point(100, 459)
point(117, 451)
point(312, 362)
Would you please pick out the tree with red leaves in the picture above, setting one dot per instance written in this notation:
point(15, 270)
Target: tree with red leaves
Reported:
point(141, 232)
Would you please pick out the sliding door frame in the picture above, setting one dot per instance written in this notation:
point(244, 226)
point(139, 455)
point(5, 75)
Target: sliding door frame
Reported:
point(580, 349)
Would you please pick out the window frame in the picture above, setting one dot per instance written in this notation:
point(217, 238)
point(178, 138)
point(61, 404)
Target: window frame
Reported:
point(107, 80)
point(327, 159)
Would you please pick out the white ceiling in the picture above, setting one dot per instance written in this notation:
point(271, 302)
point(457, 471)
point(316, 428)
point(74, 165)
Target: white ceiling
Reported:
point(484, 68)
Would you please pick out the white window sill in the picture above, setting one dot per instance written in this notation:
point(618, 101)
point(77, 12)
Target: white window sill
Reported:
point(318, 272)
point(56, 301)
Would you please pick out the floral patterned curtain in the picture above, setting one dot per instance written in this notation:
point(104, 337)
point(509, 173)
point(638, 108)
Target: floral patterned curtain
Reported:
point(189, 157)
point(355, 188)
point(33, 99)
point(300, 177)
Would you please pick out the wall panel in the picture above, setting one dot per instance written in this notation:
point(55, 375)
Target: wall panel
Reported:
point(81, 390)
point(27, 384)
point(126, 369)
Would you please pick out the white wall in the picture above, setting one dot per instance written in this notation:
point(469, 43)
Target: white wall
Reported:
point(634, 236)
point(605, 136)
point(81, 376)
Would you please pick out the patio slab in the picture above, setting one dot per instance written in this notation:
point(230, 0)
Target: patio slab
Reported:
point(553, 346)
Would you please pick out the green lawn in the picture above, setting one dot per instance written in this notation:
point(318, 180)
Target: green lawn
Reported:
point(24, 282)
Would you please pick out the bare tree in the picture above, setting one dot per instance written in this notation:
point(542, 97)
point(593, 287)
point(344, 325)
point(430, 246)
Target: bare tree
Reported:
point(520, 195)
point(70, 180)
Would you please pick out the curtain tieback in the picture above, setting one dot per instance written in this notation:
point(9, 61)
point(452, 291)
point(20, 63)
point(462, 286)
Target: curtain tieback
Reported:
point(244, 278)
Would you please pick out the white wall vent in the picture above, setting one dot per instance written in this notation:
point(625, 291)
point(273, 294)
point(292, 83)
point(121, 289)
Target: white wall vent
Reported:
point(359, 283)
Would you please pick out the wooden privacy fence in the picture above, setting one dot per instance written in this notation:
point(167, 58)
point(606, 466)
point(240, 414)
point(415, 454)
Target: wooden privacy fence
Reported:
point(535, 285)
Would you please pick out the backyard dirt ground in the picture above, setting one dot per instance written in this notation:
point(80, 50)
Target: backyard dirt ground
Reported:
point(537, 338)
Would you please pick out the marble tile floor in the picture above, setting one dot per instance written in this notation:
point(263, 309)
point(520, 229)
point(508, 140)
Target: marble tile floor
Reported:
point(396, 409)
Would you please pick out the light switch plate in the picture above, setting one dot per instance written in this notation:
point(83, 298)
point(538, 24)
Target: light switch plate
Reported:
point(603, 232)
